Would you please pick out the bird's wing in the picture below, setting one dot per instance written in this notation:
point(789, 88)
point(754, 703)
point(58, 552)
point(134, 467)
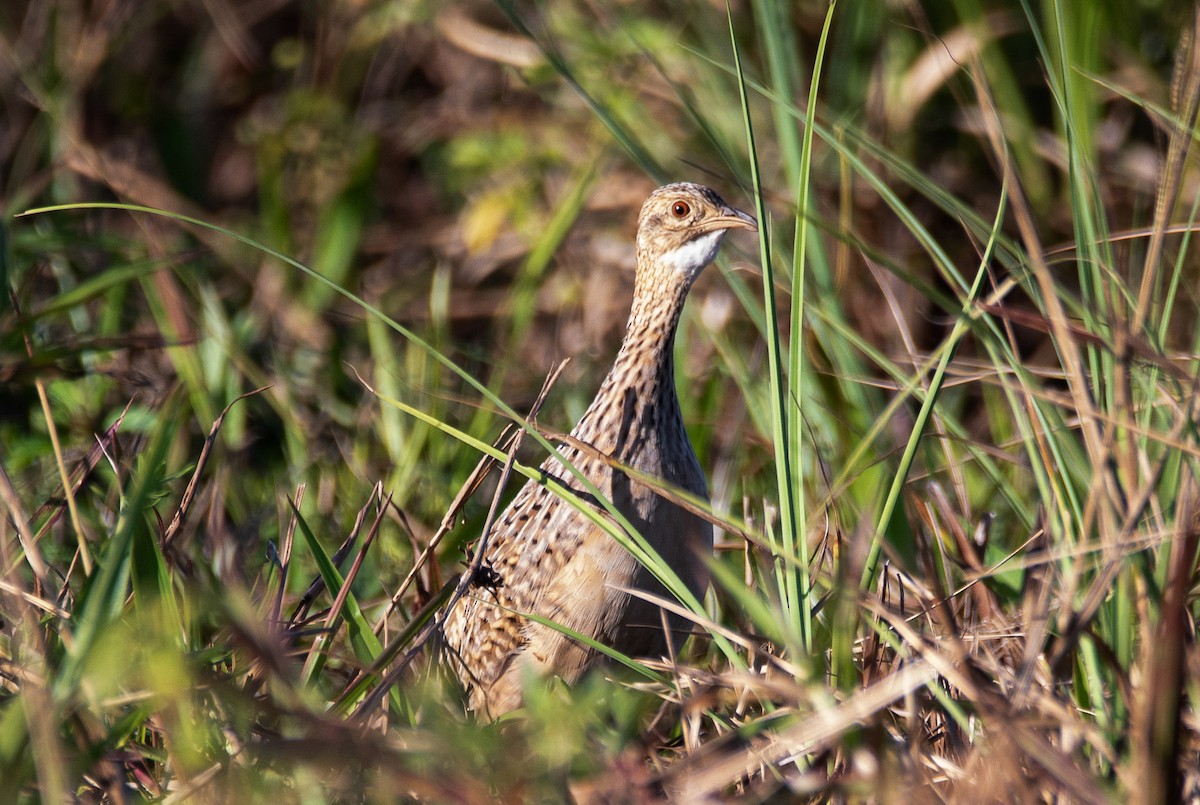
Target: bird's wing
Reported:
point(534, 537)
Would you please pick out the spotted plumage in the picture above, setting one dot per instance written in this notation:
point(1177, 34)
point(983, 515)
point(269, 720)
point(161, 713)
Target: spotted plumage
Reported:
point(543, 556)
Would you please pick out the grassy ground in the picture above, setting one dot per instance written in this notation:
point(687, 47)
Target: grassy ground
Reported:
point(314, 257)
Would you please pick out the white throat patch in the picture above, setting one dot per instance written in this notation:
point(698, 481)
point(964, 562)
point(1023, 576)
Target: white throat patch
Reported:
point(695, 254)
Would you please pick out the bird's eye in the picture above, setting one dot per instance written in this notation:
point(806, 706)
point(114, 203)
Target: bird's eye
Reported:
point(680, 209)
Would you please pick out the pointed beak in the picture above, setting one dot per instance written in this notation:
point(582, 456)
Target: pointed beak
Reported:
point(729, 218)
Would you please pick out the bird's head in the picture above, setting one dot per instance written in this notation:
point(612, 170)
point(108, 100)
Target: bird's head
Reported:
point(681, 227)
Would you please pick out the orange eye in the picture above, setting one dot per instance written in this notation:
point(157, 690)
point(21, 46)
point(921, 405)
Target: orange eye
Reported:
point(680, 209)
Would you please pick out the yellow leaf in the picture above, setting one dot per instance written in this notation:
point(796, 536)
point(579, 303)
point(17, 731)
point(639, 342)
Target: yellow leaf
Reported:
point(484, 219)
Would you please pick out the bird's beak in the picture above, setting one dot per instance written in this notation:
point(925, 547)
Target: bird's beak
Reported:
point(729, 219)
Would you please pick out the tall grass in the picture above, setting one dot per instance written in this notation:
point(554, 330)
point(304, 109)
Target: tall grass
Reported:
point(283, 289)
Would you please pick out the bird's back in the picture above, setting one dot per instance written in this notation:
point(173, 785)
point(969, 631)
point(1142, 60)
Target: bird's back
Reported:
point(547, 558)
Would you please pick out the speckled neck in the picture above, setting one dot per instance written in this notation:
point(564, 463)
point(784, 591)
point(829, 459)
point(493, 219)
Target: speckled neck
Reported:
point(638, 396)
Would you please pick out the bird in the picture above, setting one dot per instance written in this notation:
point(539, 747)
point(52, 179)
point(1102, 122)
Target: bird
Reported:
point(543, 556)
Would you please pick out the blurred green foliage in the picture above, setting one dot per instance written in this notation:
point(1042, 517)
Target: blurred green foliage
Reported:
point(474, 172)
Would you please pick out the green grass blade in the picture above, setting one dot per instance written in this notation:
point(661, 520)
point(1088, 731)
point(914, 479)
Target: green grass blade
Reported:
point(961, 327)
point(785, 482)
point(802, 592)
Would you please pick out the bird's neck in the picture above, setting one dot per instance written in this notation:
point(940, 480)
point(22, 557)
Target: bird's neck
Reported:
point(639, 391)
point(646, 358)
point(638, 395)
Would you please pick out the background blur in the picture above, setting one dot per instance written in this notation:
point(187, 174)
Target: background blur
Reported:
point(474, 170)
point(427, 157)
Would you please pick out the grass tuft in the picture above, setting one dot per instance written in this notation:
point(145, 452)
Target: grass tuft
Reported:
point(276, 278)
